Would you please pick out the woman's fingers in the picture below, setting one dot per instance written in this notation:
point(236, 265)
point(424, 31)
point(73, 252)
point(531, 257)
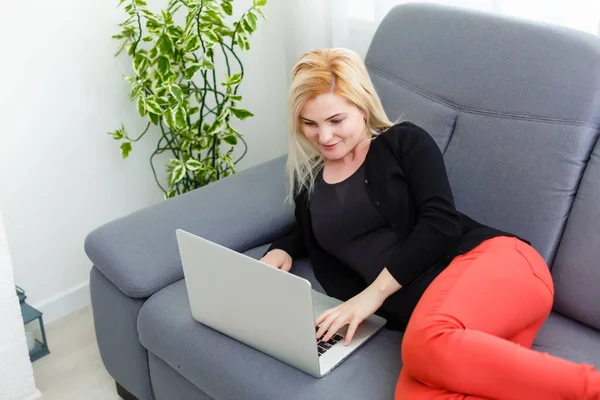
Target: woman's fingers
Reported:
point(323, 315)
point(335, 326)
point(275, 262)
point(325, 320)
point(351, 331)
point(287, 265)
point(278, 259)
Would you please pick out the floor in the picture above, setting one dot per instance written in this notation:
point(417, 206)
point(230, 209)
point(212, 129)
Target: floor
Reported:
point(73, 369)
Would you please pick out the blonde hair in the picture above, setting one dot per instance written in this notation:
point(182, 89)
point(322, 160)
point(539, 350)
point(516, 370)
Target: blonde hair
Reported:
point(339, 71)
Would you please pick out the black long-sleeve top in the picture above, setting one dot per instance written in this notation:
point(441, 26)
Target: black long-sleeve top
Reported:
point(406, 180)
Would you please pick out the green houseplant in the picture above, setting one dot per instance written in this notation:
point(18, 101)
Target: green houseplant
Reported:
point(176, 85)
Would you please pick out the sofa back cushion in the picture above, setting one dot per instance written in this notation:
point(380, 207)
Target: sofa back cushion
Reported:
point(514, 106)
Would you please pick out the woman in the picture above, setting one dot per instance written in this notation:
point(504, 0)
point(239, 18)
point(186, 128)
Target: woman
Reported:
point(375, 215)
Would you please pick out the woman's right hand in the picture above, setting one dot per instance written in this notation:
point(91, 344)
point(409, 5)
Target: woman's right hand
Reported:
point(279, 259)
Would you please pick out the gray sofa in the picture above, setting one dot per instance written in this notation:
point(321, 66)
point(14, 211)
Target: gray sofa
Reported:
point(515, 108)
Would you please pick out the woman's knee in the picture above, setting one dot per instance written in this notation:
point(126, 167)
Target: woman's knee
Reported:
point(425, 348)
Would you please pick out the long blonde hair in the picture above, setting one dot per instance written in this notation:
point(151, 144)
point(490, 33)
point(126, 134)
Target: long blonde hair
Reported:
point(339, 71)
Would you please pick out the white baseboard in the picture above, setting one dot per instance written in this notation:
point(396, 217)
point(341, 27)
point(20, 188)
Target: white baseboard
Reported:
point(65, 303)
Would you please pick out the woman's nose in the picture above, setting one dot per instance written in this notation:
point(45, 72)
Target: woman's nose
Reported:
point(325, 135)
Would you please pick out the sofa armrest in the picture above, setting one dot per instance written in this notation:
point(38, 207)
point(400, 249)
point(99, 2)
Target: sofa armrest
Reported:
point(139, 254)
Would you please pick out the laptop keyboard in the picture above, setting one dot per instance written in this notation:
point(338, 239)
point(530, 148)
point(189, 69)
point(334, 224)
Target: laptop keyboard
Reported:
point(324, 346)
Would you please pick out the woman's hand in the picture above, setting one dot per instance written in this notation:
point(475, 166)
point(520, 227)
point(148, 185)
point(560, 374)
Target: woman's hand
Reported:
point(279, 259)
point(352, 312)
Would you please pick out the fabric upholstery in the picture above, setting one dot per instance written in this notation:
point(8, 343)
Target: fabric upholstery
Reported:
point(577, 268)
point(115, 322)
point(169, 384)
point(139, 253)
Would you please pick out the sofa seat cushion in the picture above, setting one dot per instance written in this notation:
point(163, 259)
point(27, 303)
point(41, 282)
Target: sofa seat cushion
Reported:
point(227, 369)
point(567, 338)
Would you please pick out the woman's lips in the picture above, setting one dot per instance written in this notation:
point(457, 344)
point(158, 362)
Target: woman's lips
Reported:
point(331, 146)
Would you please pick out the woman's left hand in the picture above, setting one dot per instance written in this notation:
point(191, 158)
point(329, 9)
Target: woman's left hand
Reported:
point(352, 312)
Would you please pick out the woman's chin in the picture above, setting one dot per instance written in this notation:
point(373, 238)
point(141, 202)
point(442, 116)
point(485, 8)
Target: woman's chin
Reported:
point(331, 155)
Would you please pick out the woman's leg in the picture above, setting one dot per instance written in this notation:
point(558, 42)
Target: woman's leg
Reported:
point(472, 329)
point(408, 388)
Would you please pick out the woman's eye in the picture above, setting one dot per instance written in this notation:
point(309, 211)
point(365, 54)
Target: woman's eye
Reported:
point(336, 121)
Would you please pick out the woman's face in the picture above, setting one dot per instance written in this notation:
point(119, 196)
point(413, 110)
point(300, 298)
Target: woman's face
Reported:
point(333, 124)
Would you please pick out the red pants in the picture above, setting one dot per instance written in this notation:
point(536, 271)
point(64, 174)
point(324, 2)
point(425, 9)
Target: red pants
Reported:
point(471, 333)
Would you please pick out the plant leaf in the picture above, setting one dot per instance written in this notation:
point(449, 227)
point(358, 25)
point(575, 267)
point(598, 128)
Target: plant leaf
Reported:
point(131, 49)
point(247, 26)
point(167, 17)
point(225, 112)
point(153, 26)
point(258, 10)
point(163, 65)
point(231, 139)
point(141, 106)
point(152, 106)
point(170, 194)
point(252, 20)
point(259, 3)
point(121, 48)
point(125, 149)
point(189, 20)
point(241, 41)
point(169, 117)
point(176, 92)
point(191, 70)
point(165, 44)
point(118, 134)
point(163, 101)
point(235, 79)
point(211, 36)
point(148, 13)
point(154, 118)
point(215, 127)
point(206, 63)
point(180, 120)
point(227, 8)
point(192, 44)
point(185, 145)
point(233, 130)
point(214, 18)
point(175, 32)
point(140, 62)
point(240, 113)
point(177, 174)
point(193, 165)
point(140, 3)
point(227, 159)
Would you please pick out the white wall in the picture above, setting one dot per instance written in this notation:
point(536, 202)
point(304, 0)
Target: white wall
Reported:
point(61, 175)
point(16, 374)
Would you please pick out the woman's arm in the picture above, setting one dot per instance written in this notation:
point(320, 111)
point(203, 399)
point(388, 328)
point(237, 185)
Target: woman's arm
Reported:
point(439, 226)
point(385, 284)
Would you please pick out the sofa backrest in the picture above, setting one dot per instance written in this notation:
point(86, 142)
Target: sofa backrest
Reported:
point(515, 107)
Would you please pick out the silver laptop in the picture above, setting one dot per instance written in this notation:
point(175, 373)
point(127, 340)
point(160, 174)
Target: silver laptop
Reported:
point(268, 309)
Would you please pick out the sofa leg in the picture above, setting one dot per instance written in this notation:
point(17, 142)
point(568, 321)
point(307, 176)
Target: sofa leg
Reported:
point(124, 394)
